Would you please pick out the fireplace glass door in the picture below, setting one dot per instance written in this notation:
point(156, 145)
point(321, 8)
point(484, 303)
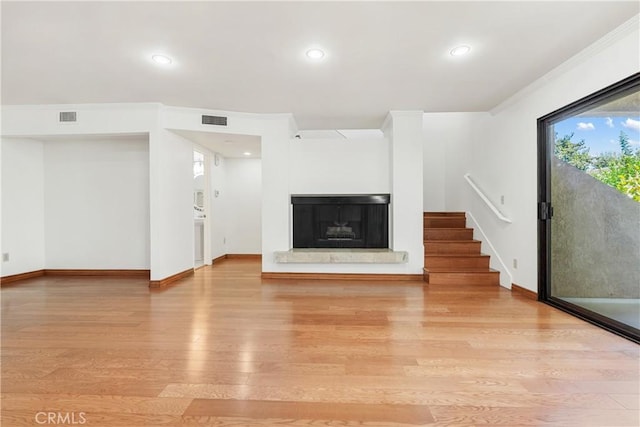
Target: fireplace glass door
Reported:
point(359, 221)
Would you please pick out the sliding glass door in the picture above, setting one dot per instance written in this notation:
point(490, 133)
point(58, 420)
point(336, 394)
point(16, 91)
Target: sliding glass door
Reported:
point(589, 208)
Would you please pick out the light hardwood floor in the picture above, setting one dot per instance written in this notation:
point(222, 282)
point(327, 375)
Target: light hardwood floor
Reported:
point(225, 348)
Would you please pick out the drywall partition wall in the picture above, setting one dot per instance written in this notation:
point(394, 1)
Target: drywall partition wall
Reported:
point(448, 142)
point(339, 166)
point(466, 130)
point(22, 205)
point(243, 197)
point(171, 203)
point(96, 202)
point(92, 119)
point(508, 152)
point(436, 134)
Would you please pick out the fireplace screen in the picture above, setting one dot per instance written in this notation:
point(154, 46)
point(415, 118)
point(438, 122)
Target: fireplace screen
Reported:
point(359, 221)
point(339, 222)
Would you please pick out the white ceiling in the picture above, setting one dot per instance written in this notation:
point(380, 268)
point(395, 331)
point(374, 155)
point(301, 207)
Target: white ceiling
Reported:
point(249, 56)
point(226, 144)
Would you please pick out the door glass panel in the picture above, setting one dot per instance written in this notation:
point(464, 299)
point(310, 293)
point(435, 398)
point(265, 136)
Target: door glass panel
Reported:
point(595, 194)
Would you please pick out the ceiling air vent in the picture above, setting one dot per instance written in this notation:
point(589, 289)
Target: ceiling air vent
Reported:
point(68, 116)
point(214, 120)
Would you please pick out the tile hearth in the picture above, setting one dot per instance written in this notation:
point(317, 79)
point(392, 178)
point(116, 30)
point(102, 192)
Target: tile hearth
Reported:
point(341, 256)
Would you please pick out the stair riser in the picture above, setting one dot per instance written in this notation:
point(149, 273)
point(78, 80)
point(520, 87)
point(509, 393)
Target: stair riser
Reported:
point(448, 234)
point(435, 247)
point(445, 222)
point(463, 262)
point(492, 278)
point(451, 253)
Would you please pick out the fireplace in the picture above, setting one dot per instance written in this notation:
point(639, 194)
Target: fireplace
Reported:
point(341, 221)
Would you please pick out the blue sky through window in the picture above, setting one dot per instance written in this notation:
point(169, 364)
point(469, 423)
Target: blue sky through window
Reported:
point(601, 134)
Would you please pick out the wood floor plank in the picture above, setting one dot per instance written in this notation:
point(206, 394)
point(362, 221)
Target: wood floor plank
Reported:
point(381, 413)
point(226, 348)
point(96, 403)
point(478, 392)
point(141, 375)
point(486, 415)
point(521, 371)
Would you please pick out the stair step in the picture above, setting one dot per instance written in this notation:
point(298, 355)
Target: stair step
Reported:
point(451, 255)
point(456, 260)
point(445, 222)
point(448, 234)
point(443, 214)
point(480, 277)
point(452, 247)
point(457, 269)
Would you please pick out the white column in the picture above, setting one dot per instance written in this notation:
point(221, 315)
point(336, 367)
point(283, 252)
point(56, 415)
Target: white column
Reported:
point(404, 131)
point(171, 203)
point(276, 203)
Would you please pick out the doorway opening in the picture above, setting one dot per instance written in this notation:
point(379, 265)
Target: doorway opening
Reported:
point(199, 208)
point(232, 199)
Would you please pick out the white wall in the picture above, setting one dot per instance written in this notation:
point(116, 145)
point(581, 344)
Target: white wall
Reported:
point(243, 205)
point(97, 203)
point(435, 133)
point(170, 166)
point(448, 142)
point(92, 119)
point(171, 204)
point(504, 147)
point(339, 166)
point(276, 202)
point(394, 166)
point(22, 205)
point(404, 130)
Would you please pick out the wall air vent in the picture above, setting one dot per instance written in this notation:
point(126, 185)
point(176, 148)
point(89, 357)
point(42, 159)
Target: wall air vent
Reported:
point(214, 120)
point(68, 116)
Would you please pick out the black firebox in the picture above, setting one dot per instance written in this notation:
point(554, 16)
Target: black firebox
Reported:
point(341, 221)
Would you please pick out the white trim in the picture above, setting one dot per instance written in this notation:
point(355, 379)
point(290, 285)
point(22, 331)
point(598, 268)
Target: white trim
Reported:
point(486, 200)
point(590, 51)
point(493, 253)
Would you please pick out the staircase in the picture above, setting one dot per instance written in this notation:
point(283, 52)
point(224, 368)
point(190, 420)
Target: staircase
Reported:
point(451, 256)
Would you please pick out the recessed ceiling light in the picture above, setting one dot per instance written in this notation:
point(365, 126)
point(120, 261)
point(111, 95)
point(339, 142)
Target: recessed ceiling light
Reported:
point(246, 153)
point(460, 50)
point(315, 54)
point(161, 59)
